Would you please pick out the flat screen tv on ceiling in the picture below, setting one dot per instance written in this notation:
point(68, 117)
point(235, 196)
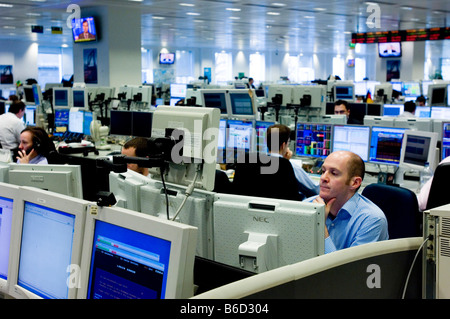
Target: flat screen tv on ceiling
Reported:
point(83, 30)
point(390, 50)
point(166, 58)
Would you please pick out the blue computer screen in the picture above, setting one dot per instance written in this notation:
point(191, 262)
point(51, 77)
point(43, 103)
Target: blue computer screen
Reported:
point(445, 140)
point(423, 111)
point(78, 98)
point(126, 264)
point(241, 104)
point(411, 89)
point(6, 212)
point(217, 100)
point(87, 119)
point(61, 98)
point(313, 140)
point(386, 145)
point(344, 92)
point(392, 109)
point(61, 121)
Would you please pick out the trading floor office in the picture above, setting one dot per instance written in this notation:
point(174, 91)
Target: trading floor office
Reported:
point(389, 269)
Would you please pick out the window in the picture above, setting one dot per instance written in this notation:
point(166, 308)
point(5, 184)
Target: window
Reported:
point(258, 67)
point(300, 70)
point(360, 69)
point(147, 65)
point(223, 67)
point(339, 67)
point(184, 67)
point(54, 64)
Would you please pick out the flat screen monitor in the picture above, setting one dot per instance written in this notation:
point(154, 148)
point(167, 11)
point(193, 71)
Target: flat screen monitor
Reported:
point(445, 152)
point(261, 234)
point(280, 94)
point(46, 245)
point(374, 109)
point(221, 144)
point(8, 196)
point(448, 95)
point(62, 97)
point(353, 138)
point(344, 92)
point(390, 50)
point(80, 121)
point(142, 93)
point(411, 89)
point(239, 134)
point(440, 112)
point(28, 94)
point(217, 99)
point(30, 115)
point(260, 135)
point(418, 148)
point(437, 95)
point(415, 124)
point(37, 93)
point(142, 124)
point(424, 86)
point(385, 121)
point(121, 123)
point(361, 88)
point(83, 30)
point(242, 104)
point(61, 122)
point(166, 58)
point(386, 145)
point(129, 255)
point(397, 86)
point(62, 179)
point(80, 98)
point(423, 111)
point(178, 90)
point(126, 188)
point(313, 139)
point(393, 109)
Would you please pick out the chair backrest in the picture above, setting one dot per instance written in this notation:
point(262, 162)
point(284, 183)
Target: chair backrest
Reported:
point(263, 175)
point(222, 183)
point(439, 195)
point(400, 207)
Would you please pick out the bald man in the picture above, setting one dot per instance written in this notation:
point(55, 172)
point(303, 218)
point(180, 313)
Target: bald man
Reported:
point(350, 218)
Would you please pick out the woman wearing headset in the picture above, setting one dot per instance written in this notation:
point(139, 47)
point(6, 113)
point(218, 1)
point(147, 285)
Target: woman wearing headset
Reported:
point(35, 145)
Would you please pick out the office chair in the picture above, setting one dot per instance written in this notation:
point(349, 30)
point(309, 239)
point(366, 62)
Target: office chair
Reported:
point(262, 175)
point(222, 183)
point(400, 207)
point(438, 195)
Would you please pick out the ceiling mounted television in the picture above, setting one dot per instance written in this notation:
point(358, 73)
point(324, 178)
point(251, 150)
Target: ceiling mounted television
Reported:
point(83, 30)
point(390, 50)
point(166, 58)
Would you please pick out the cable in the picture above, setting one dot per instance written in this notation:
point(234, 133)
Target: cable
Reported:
point(412, 265)
point(188, 192)
point(165, 192)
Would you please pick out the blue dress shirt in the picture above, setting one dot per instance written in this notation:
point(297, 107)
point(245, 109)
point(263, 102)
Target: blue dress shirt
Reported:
point(358, 222)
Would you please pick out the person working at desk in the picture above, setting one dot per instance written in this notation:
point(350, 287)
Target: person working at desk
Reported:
point(250, 83)
point(420, 101)
point(35, 146)
point(409, 110)
point(136, 147)
point(341, 107)
point(422, 197)
point(306, 185)
point(350, 218)
point(11, 125)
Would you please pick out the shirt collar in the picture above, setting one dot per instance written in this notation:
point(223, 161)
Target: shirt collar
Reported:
point(349, 207)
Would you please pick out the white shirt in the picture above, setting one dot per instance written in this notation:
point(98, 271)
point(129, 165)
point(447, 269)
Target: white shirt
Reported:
point(10, 128)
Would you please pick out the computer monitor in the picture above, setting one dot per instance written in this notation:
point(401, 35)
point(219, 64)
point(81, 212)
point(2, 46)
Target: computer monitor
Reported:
point(385, 121)
point(141, 123)
point(411, 89)
point(28, 94)
point(222, 140)
point(310, 96)
point(374, 109)
point(360, 88)
point(126, 188)
point(80, 121)
point(142, 94)
point(260, 135)
point(197, 161)
point(80, 98)
point(216, 99)
point(62, 97)
point(448, 95)
point(313, 139)
point(239, 135)
point(261, 234)
point(397, 86)
point(37, 93)
point(415, 124)
point(424, 87)
point(440, 112)
point(423, 111)
point(178, 90)
point(129, 255)
point(280, 94)
point(106, 91)
point(386, 145)
point(418, 148)
point(46, 244)
point(330, 119)
point(242, 104)
point(121, 122)
point(393, 109)
point(344, 92)
point(8, 197)
point(62, 179)
point(30, 115)
point(383, 89)
point(445, 145)
point(353, 138)
point(61, 121)
point(437, 94)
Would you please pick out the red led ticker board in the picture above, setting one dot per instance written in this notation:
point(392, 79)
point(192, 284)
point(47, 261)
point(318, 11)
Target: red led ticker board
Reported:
point(402, 35)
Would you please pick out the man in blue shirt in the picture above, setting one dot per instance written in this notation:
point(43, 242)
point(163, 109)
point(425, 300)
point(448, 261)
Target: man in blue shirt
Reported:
point(350, 218)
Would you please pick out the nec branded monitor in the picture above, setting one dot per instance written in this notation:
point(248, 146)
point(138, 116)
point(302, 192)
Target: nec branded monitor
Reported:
point(8, 196)
point(261, 234)
point(239, 134)
point(80, 98)
point(62, 179)
point(242, 104)
point(437, 95)
point(386, 145)
point(46, 245)
point(390, 50)
point(445, 152)
point(344, 92)
point(217, 99)
point(353, 138)
point(62, 97)
point(61, 122)
point(260, 132)
point(411, 89)
point(84, 30)
point(121, 122)
point(130, 255)
point(423, 111)
point(313, 139)
point(418, 149)
point(393, 109)
point(166, 58)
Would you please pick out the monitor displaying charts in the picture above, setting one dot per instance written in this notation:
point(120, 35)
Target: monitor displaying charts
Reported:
point(313, 139)
point(353, 138)
point(386, 145)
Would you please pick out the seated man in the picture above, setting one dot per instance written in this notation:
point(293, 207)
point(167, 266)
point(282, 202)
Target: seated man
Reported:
point(280, 147)
point(351, 219)
point(341, 107)
point(136, 147)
